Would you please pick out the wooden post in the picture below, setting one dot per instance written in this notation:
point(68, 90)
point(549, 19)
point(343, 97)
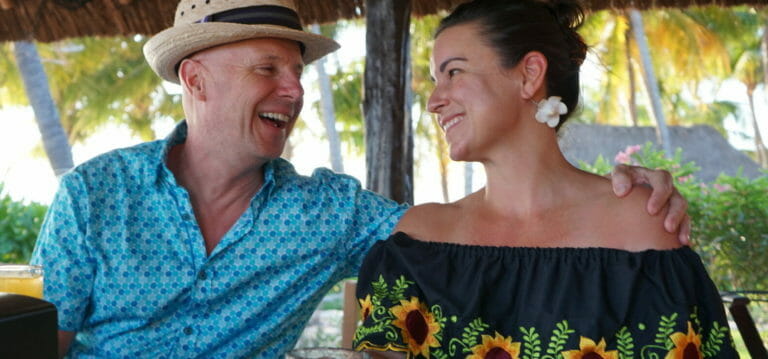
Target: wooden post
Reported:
point(389, 147)
point(6, 4)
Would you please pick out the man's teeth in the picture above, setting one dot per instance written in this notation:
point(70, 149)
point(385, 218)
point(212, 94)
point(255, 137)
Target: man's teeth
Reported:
point(451, 123)
point(278, 118)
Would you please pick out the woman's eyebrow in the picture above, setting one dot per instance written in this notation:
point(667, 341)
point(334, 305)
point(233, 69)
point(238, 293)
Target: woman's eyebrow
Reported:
point(445, 63)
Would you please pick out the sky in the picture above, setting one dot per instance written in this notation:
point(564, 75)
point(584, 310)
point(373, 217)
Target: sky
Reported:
point(27, 175)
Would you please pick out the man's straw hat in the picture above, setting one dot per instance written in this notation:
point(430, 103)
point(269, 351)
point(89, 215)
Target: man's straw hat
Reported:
point(202, 24)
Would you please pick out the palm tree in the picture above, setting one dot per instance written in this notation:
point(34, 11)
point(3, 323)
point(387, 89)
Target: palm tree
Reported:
point(90, 82)
point(749, 70)
point(328, 112)
point(685, 52)
point(36, 85)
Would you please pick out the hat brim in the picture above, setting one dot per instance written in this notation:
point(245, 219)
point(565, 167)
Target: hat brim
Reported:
point(166, 49)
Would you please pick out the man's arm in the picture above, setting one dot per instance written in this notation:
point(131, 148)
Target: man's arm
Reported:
point(664, 195)
point(65, 338)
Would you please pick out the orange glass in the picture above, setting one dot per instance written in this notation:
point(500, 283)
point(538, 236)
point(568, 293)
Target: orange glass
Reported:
point(22, 279)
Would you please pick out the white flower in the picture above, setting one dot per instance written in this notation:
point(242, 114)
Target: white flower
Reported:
point(549, 111)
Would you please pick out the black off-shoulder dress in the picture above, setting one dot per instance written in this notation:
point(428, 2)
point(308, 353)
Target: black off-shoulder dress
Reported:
point(441, 300)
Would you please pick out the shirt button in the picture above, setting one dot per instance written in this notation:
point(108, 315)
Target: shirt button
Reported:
point(188, 331)
point(202, 275)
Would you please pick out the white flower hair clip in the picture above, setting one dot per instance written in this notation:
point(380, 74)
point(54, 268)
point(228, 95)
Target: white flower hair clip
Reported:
point(549, 110)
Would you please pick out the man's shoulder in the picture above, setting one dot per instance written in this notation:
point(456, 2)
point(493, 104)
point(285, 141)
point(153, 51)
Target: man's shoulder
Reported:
point(286, 173)
point(122, 162)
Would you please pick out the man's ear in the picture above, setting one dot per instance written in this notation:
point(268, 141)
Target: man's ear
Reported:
point(191, 78)
point(534, 71)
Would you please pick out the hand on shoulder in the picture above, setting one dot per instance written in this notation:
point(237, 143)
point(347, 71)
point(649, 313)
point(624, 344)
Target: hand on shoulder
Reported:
point(637, 229)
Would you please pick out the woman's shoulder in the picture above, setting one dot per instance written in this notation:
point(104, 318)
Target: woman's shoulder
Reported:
point(430, 220)
point(631, 227)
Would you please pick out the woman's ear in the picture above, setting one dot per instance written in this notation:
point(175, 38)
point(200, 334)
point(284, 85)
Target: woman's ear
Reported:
point(191, 78)
point(534, 71)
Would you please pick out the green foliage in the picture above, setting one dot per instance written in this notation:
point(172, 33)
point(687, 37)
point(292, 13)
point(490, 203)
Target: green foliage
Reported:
point(559, 338)
point(666, 328)
point(729, 227)
point(19, 225)
point(95, 81)
point(532, 343)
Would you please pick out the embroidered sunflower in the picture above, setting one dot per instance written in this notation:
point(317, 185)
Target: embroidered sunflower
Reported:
point(589, 350)
point(366, 307)
point(417, 325)
point(498, 347)
point(687, 346)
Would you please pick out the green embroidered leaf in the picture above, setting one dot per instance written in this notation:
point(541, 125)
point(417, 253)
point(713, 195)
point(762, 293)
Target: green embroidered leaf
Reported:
point(559, 338)
point(531, 343)
point(437, 311)
point(398, 292)
point(666, 328)
point(625, 343)
point(439, 354)
point(380, 289)
point(695, 317)
point(715, 340)
point(471, 332)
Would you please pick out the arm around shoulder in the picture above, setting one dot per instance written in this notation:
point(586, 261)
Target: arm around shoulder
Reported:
point(639, 229)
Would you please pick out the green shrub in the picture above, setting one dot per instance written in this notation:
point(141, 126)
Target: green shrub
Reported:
point(729, 216)
point(19, 225)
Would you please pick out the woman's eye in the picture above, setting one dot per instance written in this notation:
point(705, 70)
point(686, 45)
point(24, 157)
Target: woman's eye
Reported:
point(452, 72)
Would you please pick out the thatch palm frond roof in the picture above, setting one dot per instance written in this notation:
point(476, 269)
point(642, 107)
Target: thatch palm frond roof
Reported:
point(51, 20)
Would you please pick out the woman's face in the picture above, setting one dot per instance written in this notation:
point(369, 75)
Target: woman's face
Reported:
point(475, 99)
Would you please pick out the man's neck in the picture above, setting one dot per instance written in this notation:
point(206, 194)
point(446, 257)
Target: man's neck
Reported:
point(220, 191)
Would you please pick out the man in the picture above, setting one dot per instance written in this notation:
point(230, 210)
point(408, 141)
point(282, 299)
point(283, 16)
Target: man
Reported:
point(207, 244)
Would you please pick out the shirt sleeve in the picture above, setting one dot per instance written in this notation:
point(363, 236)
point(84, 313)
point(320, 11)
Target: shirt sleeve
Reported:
point(371, 217)
point(63, 252)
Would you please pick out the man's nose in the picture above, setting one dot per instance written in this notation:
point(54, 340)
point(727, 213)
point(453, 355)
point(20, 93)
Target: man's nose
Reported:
point(290, 87)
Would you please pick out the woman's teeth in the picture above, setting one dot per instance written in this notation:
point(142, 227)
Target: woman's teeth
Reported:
point(451, 123)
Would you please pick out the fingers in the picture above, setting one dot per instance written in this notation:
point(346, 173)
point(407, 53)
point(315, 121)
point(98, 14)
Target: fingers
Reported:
point(621, 180)
point(676, 213)
point(664, 191)
point(685, 232)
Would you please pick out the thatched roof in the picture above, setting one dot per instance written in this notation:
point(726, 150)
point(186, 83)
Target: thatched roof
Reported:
point(701, 144)
point(51, 20)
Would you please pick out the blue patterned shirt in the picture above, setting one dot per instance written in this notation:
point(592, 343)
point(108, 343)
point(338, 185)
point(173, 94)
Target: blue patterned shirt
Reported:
point(126, 265)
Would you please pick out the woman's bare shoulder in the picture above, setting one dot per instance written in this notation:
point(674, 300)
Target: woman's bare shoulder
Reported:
point(428, 220)
point(632, 227)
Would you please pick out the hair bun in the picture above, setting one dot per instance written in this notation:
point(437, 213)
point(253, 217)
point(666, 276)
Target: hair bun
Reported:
point(570, 15)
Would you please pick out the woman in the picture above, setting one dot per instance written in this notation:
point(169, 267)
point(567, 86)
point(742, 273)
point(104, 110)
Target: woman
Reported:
point(544, 262)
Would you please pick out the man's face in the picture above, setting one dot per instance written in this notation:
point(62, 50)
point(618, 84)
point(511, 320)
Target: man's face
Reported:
point(251, 96)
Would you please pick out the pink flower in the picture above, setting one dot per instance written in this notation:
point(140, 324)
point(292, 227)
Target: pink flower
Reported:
point(722, 187)
point(684, 178)
point(632, 149)
point(625, 156)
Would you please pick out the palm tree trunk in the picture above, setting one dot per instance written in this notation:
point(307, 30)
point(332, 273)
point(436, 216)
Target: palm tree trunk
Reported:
point(662, 133)
point(764, 53)
point(36, 86)
point(762, 153)
point(631, 73)
point(328, 112)
point(468, 173)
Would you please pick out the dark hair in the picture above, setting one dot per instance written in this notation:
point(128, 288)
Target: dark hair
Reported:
point(515, 28)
